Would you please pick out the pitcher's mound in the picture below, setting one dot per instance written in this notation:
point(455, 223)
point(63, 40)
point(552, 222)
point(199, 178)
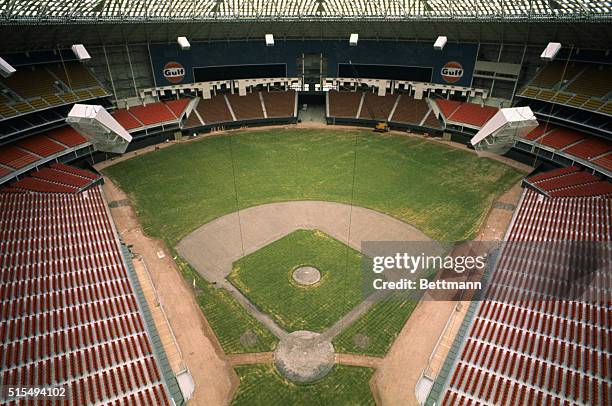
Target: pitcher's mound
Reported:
point(306, 275)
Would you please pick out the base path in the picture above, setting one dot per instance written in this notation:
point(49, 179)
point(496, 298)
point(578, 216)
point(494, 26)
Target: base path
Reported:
point(215, 246)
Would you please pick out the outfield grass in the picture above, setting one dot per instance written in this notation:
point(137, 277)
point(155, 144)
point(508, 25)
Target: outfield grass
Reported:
point(443, 191)
point(226, 316)
point(265, 277)
point(261, 385)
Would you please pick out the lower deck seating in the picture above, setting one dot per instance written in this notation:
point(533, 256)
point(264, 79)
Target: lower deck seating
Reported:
point(469, 114)
point(153, 113)
point(279, 103)
point(70, 313)
point(377, 107)
point(246, 107)
point(344, 104)
point(410, 110)
point(569, 182)
point(447, 107)
point(527, 343)
point(214, 110)
point(473, 114)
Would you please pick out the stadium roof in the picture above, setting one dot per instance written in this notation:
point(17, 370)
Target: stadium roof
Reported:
point(54, 11)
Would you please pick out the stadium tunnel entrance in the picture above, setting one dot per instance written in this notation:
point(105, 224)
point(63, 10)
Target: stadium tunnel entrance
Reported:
point(311, 108)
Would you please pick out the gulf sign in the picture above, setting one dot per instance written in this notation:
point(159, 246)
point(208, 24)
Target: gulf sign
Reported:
point(174, 72)
point(452, 72)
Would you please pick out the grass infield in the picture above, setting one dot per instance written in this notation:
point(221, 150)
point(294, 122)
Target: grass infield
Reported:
point(229, 320)
point(443, 191)
point(261, 385)
point(265, 277)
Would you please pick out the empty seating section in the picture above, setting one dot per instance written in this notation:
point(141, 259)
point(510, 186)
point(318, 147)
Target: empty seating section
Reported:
point(410, 110)
point(177, 107)
point(52, 175)
point(40, 145)
point(69, 312)
point(473, 114)
point(539, 131)
point(279, 103)
point(431, 121)
point(590, 148)
point(555, 72)
point(31, 82)
point(16, 158)
point(151, 114)
point(597, 151)
point(344, 104)
point(566, 181)
point(561, 138)
point(602, 188)
point(593, 82)
point(74, 171)
point(73, 74)
point(67, 136)
point(524, 346)
point(447, 107)
point(214, 110)
point(128, 121)
point(246, 107)
point(555, 173)
point(377, 107)
point(605, 162)
point(58, 178)
point(460, 113)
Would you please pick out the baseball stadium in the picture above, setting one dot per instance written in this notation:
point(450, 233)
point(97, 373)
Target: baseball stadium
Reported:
point(306, 202)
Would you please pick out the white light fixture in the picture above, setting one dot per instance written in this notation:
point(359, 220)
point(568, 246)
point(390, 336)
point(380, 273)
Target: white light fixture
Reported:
point(183, 43)
point(440, 42)
point(80, 52)
point(353, 40)
point(269, 40)
point(6, 69)
point(550, 51)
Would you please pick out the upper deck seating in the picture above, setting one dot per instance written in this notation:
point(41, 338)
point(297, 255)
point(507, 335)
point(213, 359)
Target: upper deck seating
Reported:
point(246, 107)
point(73, 74)
point(32, 81)
point(593, 82)
point(344, 104)
point(554, 72)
